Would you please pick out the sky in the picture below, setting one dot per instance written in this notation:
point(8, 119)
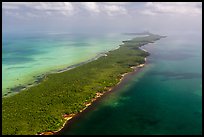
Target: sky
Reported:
point(101, 17)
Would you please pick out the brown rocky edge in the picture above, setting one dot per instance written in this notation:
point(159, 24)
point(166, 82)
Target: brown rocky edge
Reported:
point(69, 118)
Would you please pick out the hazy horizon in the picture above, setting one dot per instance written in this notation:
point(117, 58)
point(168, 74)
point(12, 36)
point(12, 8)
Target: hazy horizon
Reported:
point(101, 17)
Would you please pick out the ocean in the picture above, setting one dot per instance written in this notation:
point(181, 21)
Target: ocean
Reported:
point(164, 98)
point(29, 56)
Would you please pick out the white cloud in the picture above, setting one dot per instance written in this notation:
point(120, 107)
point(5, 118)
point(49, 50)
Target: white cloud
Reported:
point(9, 7)
point(101, 16)
point(107, 8)
point(116, 3)
point(31, 15)
point(190, 8)
point(13, 5)
point(91, 6)
point(114, 9)
point(61, 6)
point(66, 8)
point(148, 12)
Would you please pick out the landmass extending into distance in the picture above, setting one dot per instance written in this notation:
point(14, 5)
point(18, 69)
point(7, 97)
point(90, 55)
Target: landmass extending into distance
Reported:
point(47, 106)
point(101, 68)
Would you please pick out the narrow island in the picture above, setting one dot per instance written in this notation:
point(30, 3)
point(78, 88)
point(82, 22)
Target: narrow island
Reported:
point(46, 107)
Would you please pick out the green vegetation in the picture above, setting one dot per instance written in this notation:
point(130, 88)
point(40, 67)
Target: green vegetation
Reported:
point(41, 108)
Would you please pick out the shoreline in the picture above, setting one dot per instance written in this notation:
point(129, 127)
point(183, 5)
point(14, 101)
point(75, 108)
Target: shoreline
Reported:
point(121, 67)
point(99, 96)
point(70, 118)
point(39, 78)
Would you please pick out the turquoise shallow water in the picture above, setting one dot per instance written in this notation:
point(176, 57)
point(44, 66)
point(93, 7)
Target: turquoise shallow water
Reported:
point(26, 56)
point(165, 98)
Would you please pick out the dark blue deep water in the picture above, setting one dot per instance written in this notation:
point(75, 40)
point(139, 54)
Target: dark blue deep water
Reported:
point(165, 98)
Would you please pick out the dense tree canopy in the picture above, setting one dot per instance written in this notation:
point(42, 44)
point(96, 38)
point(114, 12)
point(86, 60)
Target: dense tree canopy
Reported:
point(41, 108)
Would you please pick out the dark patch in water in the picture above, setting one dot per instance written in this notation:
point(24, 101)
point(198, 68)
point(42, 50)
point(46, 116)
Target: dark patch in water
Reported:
point(19, 54)
point(197, 113)
point(5, 94)
point(151, 121)
point(80, 44)
point(176, 76)
point(39, 79)
point(48, 58)
point(16, 60)
point(21, 50)
point(17, 67)
point(174, 56)
point(17, 88)
point(20, 87)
